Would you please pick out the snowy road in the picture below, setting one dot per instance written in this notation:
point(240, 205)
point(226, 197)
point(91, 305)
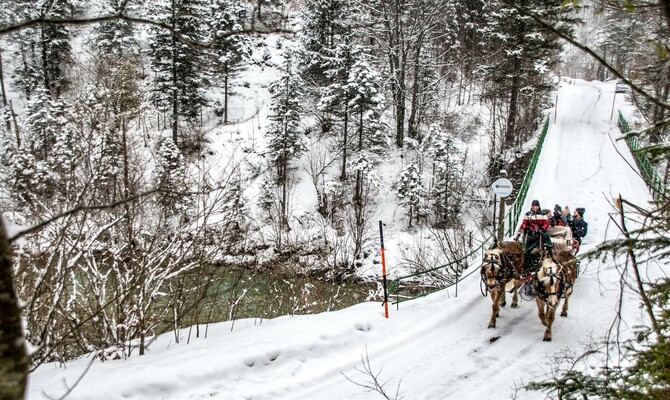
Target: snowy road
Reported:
point(431, 348)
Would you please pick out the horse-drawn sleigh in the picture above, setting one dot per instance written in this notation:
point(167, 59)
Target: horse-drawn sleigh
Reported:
point(551, 280)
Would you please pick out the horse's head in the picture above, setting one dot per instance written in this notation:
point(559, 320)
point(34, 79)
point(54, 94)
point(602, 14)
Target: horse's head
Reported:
point(492, 268)
point(549, 282)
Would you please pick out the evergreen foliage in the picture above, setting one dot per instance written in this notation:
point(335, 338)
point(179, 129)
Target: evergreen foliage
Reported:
point(447, 191)
point(521, 57)
point(405, 63)
point(170, 178)
point(116, 38)
point(284, 137)
point(178, 68)
point(410, 191)
point(327, 25)
point(285, 142)
point(227, 16)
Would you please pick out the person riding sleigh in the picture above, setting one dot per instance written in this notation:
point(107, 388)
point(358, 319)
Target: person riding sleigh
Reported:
point(535, 237)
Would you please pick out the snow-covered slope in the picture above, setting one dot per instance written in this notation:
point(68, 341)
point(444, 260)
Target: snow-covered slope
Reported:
point(437, 347)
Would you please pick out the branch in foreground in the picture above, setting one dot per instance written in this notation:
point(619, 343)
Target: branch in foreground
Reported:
point(373, 385)
point(136, 20)
point(77, 209)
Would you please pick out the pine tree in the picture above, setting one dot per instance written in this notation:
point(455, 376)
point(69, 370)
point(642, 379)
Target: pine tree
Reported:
point(170, 178)
point(365, 85)
point(45, 163)
point(411, 192)
point(115, 39)
point(227, 16)
point(45, 51)
point(284, 137)
point(178, 67)
point(336, 98)
point(446, 192)
point(327, 25)
point(522, 56)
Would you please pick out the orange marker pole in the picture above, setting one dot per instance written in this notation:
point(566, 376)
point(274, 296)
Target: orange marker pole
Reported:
point(386, 296)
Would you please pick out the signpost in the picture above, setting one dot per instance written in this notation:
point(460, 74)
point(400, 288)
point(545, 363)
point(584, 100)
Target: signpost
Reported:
point(502, 188)
point(386, 296)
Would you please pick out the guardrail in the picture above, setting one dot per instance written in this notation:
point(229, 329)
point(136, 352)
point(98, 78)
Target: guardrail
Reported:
point(459, 272)
point(649, 174)
point(516, 207)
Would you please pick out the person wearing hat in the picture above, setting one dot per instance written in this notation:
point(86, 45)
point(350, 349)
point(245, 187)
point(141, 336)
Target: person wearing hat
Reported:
point(579, 226)
point(535, 236)
point(557, 219)
point(567, 215)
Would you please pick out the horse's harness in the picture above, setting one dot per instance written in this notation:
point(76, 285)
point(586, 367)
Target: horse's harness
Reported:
point(502, 275)
point(541, 289)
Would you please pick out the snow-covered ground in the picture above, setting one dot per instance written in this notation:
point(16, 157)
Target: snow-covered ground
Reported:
point(437, 347)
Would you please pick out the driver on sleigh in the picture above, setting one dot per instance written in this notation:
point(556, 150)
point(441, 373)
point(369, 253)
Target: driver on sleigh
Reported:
point(535, 237)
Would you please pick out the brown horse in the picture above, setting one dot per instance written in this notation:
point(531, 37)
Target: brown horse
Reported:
point(553, 282)
point(500, 266)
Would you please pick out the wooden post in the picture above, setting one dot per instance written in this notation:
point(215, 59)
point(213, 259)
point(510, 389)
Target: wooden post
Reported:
point(493, 229)
point(501, 219)
point(386, 297)
point(556, 109)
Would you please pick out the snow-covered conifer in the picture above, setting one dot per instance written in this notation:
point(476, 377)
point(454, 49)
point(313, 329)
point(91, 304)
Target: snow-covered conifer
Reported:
point(411, 192)
point(227, 16)
point(178, 81)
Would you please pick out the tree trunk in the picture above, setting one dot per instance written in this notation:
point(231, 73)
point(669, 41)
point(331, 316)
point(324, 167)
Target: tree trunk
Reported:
point(24, 60)
point(343, 175)
point(397, 64)
point(399, 97)
point(8, 124)
point(358, 191)
point(510, 134)
point(225, 93)
point(13, 356)
point(175, 105)
point(412, 124)
point(45, 63)
point(665, 5)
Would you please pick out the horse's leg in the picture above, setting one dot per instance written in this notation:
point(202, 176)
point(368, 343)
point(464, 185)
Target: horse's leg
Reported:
point(564, 311)
point(551, 313)
point(503, 301)
point(495, 296)
point(540, 311)
point(515, 297)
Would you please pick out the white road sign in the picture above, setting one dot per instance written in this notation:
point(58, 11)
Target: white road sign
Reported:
point(502, 187)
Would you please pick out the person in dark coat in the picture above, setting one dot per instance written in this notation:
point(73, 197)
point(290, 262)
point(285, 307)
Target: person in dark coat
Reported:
point(535, 237)
point(567, 215)
point(579, 226)
point(557, 219)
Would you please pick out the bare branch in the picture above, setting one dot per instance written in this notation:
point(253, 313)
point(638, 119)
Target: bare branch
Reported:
point(134, 20)
point(77, 209)
point(76, 383)
point(373, 385)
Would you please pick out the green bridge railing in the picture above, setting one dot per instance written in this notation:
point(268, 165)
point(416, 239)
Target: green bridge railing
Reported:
point(649, 174)
point(462, 268)
point(516, 207)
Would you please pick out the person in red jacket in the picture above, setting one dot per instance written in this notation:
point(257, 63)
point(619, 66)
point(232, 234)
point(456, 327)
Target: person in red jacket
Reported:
point(535, 236)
